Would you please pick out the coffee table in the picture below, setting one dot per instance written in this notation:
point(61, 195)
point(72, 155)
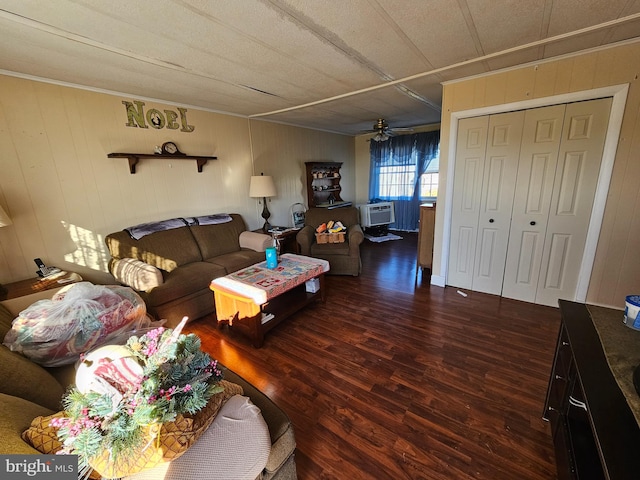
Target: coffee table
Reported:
point(256, 299)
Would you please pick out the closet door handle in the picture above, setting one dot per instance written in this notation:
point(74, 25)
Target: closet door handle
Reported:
point(532, 223)
point(491, 220)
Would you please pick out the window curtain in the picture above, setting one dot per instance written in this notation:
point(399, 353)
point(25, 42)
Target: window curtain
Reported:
point(413, 153)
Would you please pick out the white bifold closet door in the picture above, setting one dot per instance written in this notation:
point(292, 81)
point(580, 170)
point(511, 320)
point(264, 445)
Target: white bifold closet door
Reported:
point(523, 192)
point(471, 147)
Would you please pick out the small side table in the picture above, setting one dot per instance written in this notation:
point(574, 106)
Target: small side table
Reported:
point(285, 240)
point(38, 284)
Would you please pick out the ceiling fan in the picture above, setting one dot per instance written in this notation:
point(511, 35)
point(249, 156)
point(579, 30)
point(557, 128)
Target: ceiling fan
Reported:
point(383, 131)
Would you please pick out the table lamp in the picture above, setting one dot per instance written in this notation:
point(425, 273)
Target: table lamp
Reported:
point(4, 221)
point(263, 186)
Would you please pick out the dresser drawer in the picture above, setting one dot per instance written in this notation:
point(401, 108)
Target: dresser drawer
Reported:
point(564, 355)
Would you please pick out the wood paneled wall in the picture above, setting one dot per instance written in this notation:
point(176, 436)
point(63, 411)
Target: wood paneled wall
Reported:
point(616, 271)
point(64, 195)
point(281, 151)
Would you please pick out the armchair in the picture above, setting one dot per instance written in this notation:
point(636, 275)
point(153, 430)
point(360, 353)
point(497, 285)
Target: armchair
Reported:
point(343, 258)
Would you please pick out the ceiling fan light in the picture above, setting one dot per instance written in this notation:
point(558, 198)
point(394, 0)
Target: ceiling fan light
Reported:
point(380, 137)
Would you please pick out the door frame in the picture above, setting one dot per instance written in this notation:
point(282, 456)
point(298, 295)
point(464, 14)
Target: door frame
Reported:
point(618, 93)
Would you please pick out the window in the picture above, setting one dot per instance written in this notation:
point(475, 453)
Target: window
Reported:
point(395, 165)
point(429, 186)
point(398, 181)
point(429, 180)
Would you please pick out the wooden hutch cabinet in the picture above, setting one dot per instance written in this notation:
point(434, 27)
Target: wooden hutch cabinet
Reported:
point(323, 184)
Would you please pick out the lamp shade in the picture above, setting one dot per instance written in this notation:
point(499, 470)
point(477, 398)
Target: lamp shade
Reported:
point(4, 218)
point(262, 186)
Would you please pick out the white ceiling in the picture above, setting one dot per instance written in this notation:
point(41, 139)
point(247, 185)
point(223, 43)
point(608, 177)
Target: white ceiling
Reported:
point(333, 65)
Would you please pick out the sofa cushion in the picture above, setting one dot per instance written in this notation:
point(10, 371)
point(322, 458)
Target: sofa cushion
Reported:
point(322, 249)
point(232, 262)
point(184, 281)
point(136, 274)
point(218, 239)
point(193, 306)
point(283, 442)
point(165, 250)
point(17, 414)
point(22, 378)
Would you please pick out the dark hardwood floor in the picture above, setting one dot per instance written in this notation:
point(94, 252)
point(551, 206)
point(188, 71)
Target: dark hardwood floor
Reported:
point(393, 378)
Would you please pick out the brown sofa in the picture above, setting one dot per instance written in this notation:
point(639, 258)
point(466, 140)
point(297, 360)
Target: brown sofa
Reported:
point(172, 269)
point(28, 390)
point(343, 258)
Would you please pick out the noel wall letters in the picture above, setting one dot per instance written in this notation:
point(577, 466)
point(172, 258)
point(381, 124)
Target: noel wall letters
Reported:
point(137, 118)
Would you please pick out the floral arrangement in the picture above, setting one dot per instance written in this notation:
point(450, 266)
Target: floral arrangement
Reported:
point(123, 394)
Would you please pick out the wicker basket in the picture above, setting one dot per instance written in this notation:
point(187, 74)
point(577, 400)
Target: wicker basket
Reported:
point(330, 237)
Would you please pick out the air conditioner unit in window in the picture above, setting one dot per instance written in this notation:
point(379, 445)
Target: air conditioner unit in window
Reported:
point(376, 214)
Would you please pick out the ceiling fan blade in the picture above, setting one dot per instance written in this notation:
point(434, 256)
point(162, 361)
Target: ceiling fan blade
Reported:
point(382, 130)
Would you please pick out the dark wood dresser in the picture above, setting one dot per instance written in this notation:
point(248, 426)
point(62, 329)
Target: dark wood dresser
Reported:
point(593, 416)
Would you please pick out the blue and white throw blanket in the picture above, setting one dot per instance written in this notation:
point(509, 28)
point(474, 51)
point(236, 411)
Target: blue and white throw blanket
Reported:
point(210, 219)
point(138, 231)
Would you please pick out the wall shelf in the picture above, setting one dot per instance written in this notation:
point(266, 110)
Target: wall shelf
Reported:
point(323, 184)
point(134, 158)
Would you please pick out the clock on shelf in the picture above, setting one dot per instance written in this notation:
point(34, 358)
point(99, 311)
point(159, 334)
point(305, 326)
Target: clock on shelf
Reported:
point(167, 150)
point(170, 148)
